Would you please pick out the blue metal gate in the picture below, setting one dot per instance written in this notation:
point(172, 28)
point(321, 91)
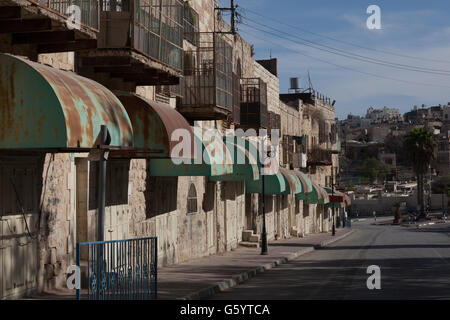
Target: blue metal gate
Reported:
point(120, 269)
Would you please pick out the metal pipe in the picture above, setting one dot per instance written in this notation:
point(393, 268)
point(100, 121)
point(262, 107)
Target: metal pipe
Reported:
point(101, 185)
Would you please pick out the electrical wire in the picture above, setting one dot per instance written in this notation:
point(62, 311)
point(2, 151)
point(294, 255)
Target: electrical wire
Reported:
point(347, 68)
point(348, 55)
point(346, 42)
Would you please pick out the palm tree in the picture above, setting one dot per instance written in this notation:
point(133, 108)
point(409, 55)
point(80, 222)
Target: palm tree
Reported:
point(419, 146)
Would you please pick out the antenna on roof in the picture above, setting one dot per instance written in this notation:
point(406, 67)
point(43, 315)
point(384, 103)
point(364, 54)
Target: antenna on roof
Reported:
point(310, 85)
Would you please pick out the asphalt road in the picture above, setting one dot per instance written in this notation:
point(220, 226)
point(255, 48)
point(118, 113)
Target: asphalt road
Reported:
point(414, 264)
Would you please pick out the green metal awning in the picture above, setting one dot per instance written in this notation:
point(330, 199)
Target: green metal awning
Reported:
point(273, 184)
point(45, 108)
point(155, 127)
point(307, 186)
point(293, 184)
point(250, 163)
point(318, 195)
point(245, 162)
point(211, 158)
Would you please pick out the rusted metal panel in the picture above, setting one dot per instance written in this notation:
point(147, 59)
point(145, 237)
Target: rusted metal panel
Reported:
point(293, 182)
point(44, 108)
point(248, 170)
point(319, 195)
point(211, 158)
point(306, 183)
point(154, 124)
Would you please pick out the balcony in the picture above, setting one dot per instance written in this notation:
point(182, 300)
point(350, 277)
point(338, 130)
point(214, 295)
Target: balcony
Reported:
point(254, 104)
point(31, 27)
point(319, 157)
point(140, 42)
point(208, 79)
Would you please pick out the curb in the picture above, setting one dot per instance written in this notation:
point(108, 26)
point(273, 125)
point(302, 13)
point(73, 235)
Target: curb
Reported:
point(244, 276)
point(419, 225)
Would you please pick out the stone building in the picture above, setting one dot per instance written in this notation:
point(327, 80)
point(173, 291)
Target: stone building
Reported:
point(117, 74)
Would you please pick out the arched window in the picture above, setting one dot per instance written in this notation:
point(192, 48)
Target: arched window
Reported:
point(192, 199)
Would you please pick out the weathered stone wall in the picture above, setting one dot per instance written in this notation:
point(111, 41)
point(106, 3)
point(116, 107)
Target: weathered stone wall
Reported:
point(273, 87)
point(57, 234)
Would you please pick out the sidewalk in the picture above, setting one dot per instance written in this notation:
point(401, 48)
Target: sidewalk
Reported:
point(201, 278)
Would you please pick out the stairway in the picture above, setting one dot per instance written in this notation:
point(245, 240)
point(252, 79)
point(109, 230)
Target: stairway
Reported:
point(249, 239)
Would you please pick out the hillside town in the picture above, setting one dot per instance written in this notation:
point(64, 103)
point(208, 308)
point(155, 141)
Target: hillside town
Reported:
point(379, 135)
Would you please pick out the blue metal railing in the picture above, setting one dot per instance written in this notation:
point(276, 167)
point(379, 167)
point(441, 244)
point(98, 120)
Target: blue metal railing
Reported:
point(120, 270)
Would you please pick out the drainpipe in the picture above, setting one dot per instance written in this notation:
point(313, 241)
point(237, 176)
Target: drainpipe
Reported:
point(102, 184)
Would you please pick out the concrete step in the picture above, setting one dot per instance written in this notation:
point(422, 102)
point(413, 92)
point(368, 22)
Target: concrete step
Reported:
point(246, 234)
point(249, 244)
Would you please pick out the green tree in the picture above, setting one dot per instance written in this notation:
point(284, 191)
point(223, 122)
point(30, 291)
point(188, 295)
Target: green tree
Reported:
point(419, 147)
point(374, 170)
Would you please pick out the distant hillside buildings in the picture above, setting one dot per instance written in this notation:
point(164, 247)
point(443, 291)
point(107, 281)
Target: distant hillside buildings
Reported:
point(379, 134)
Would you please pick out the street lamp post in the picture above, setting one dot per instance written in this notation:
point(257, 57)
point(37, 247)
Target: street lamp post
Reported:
point(332, 195)
point(264, 249)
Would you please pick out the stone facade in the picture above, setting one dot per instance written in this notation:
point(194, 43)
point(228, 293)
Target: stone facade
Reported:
point(139, 204)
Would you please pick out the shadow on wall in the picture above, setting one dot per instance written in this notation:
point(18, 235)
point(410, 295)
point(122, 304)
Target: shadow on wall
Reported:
point(161, 195)
point(117, 178)
point(22, 181)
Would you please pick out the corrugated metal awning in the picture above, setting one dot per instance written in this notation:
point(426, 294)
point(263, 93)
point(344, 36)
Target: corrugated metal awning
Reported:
point(293, 183)
point(45, 108)
point(156, 127)
point(273, 184)
point(337, 198)
point(307, 186)
point(245, 162)
point(211, 158)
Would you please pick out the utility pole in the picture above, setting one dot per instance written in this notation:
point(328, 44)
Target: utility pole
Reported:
point(232, 9)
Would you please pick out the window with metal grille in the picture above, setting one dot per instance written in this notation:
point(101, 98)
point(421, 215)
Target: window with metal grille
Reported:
point(254, 103)
point(191, 24)
point(192, 199)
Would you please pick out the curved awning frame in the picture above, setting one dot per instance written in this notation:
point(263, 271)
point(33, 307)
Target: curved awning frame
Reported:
point(42, 108)
point(293, 184)
point(245, 165)
point(307, 186)
point(159, 130)
point(211, 158)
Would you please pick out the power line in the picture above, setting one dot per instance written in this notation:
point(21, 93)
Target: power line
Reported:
point(347, 42)
point(348, 68)
point(351, 55)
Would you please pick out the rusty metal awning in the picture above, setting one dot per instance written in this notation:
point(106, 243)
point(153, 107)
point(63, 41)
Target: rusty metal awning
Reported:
point(157, 129)
point(45, 108)
point(338, 199)
point(245, 161)
point(211, 158)
point(293, 184)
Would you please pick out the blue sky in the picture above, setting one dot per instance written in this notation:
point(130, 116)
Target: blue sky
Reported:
point(414, 28)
